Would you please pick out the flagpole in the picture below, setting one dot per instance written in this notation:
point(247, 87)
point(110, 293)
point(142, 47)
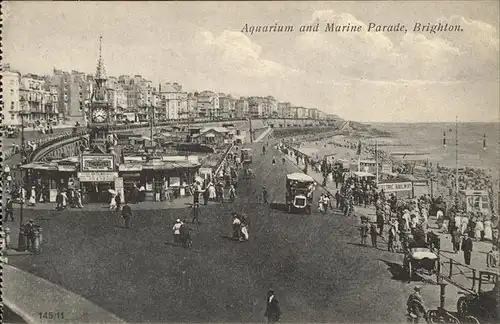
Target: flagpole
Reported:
point(456, 161)
point(376, 160)
point(359, 155)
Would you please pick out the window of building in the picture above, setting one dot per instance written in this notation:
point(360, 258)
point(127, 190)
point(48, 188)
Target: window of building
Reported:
point(12, 116)
point(12, 105)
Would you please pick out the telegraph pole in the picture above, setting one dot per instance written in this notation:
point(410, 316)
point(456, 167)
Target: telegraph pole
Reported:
point(456, 161)
point(21, 240)
point(376, 160)
point(151, 118)
point(251, 130)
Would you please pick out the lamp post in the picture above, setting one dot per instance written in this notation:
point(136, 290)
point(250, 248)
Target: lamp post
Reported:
point(21, 242)
point(152, 113)
point(456, 159)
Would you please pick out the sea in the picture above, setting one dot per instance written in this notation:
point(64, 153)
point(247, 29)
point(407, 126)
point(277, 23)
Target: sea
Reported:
point(427, 138)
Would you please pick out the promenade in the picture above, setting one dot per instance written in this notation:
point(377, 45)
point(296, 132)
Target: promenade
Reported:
point(461, 279)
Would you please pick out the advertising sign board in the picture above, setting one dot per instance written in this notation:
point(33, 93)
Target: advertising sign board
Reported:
point(130, 167)
point(95, 176)
point(98, 162)
point(396, 186)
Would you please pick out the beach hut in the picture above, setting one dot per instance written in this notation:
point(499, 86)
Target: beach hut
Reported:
point(474, 201)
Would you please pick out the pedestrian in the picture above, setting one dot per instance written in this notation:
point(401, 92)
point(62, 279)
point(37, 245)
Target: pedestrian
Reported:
point(373, 234)
point(380, 221)
point(78, 198)
point(392, 244)
point(455, 239)
point(337, 199)
point(493, 258)
point(177, 231)
point(112, 203)
point(321, 207)
point(236, 227)
point(326, 202)
point(363, 230)
point(118, 201)
point(232, 193)
point(9, 210)
point(467, 248)
point(264, 195)
point(29, 232)
point(196, 213)
point(126, 214)
point(64, 199)
point(479, 228)
point(206, 194)
point(273, 311)
point(59, 201)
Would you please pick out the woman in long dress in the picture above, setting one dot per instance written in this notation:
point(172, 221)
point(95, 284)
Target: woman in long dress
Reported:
point(320, 204)
point(479, 229)
point(112, 203)
point(64, 199)
point(211, 191)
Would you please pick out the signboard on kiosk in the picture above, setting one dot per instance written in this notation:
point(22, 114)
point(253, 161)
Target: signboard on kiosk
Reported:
point(396, 186)
point(402, 189)
point(97, 162)
point(95, 176)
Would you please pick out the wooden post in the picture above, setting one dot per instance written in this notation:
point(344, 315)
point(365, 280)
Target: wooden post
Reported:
point(442, 295)
point(473, 278)
point(451, 268)
point(438, 273)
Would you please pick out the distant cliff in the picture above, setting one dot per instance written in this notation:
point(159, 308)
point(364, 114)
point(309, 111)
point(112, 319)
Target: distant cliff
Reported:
point(367, 129)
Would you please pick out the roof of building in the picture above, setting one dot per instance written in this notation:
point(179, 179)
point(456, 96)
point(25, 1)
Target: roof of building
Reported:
point(215, 128)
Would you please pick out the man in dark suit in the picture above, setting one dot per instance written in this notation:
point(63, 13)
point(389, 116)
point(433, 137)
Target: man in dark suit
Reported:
point(467, 248)
point(127, 214)
point(273, 312)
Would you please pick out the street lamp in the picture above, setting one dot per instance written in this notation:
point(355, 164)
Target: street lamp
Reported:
point(151, 118)
point(21, 243)
point(456, 159)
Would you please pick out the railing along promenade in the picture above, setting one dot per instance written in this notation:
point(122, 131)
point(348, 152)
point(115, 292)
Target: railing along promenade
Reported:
point(47, 145)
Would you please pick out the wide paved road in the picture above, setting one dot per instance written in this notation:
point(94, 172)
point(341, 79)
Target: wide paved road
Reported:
point(313, 262)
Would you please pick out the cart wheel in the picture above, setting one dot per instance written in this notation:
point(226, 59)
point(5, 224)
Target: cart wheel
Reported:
point(432, 317)
point(462, 306)
point(469, 319)
point(451, 319)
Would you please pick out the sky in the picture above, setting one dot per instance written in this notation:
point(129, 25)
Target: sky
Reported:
point(403, 76)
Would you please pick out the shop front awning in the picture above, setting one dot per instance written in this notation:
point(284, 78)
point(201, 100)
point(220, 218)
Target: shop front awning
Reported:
point(170, 165)
point(210, 135)
point(363, 174)
point(39, 166)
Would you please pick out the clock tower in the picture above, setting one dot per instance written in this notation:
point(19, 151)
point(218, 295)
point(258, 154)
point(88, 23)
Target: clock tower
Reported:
point(99, 113)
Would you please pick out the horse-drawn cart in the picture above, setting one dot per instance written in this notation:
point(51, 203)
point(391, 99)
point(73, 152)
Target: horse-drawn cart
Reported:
point(420, 260)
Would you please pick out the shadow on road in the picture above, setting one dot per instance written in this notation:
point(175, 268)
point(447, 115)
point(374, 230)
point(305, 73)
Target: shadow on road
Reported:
point(368, 246)
point(399, 273)
point(230, 238)
point(278, 206)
